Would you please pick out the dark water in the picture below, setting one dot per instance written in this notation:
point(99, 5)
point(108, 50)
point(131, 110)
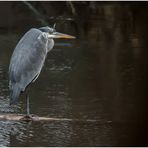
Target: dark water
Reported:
point(102, 75)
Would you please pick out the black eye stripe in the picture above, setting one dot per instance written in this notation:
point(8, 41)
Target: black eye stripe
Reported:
point(47, 29)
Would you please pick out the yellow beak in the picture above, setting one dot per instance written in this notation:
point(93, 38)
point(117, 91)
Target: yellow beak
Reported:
point(61, 35)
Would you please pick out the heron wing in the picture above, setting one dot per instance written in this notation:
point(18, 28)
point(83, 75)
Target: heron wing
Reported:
point(27, 59)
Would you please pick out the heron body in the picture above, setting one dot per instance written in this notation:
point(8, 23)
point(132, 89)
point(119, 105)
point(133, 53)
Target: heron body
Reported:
point(28, 58)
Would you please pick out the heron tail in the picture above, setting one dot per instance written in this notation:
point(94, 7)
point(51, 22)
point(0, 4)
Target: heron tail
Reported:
point(14, 95)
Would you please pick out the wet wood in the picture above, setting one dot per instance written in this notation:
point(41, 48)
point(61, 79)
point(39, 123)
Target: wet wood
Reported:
point(20, 117)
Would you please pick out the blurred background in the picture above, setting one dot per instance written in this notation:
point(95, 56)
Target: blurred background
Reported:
point(102, 75)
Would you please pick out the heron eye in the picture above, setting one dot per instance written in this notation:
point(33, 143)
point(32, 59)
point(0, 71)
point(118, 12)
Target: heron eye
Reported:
point(51, 31)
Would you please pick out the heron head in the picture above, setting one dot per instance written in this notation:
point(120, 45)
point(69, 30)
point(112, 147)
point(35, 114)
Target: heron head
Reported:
point(53, 34)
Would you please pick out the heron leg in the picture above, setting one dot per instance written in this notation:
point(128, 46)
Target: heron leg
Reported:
point(28, 109)
point(27, 117)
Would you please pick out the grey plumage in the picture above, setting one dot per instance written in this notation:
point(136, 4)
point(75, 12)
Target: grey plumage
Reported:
point(27, 61)
point(28, 58)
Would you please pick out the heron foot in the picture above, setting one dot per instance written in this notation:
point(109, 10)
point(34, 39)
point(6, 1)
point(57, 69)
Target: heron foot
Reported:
point(29, 117)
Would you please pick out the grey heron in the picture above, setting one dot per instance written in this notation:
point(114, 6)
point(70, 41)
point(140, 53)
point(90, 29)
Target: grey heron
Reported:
point(28, 59)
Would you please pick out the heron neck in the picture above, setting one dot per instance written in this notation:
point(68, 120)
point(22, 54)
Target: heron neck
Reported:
point(50, 44)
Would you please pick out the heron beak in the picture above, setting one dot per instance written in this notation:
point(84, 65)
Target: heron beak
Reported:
point(61, 35)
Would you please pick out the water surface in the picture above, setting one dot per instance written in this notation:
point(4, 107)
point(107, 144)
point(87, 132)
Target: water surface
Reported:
point(102, 76)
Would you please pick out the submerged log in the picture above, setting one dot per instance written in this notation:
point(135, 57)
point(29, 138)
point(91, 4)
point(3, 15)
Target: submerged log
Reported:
point(20, 117)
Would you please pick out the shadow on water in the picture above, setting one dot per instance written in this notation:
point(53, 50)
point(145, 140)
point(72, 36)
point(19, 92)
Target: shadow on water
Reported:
point(102, 75)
